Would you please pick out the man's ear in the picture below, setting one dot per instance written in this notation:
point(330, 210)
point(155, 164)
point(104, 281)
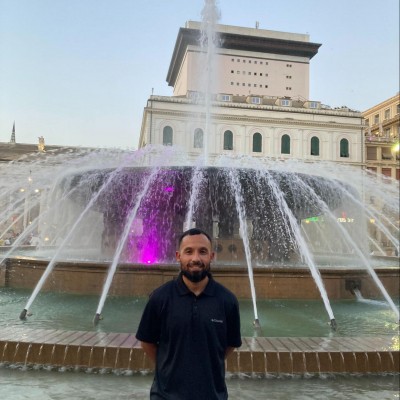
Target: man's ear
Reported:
point(178, 256)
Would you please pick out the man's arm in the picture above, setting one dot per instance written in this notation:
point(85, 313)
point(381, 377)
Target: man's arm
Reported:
point(150, 349)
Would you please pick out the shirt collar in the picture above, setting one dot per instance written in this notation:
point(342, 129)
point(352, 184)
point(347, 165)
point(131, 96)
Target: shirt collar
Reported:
point(183, 289)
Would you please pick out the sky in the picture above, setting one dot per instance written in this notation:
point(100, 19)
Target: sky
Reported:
point(79, 72)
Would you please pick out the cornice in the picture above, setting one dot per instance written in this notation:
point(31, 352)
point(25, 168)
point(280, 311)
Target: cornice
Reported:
point(382, 105)
point(263, 107)
point(254, 119)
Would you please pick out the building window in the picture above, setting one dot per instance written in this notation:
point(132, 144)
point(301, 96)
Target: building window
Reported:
point(232, 71)
point(372, 153)
point(256, 100)
point(344, 148)
point(285, 102)
point(387, 173)
point(376, 119)
point(387, 113)
point(167, 136)
point(313, 104)
point(226, 97)
point(261, 74)
point(249, 73)
point(257, 142)
point(285, 144)
point(386, 153)
point(366, 122)
point(266, 86)
point(228, 140)
point(314, 146)
point(198, 138)
point(398, 108)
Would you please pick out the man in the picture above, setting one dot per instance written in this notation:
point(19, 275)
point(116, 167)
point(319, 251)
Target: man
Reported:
point(189, 326)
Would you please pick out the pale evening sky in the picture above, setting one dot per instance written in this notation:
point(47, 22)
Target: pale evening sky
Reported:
point(79, 72)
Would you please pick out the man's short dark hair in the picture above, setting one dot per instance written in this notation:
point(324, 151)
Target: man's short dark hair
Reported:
point(192, 232)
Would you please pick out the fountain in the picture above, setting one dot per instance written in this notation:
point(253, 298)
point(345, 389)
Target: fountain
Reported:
point(106, 222)
point(109, 231)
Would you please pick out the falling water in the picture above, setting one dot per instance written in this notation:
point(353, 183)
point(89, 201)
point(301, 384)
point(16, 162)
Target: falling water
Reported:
point(196, 184)
point(53, 261)
point(302, 246)
point(245, 237)
point(361, 255)
point(121, 244)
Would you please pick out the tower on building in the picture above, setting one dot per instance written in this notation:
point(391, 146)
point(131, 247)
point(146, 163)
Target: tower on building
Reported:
point(12, 140)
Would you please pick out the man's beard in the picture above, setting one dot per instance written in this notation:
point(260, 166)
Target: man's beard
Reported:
point(196, 276)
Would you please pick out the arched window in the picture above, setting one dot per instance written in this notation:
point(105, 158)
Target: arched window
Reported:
point(228, 140)
point(314, 146)
point(344, 148)
point(198, 138)
point(167, 136)
point(257, 142)
point(285, 144)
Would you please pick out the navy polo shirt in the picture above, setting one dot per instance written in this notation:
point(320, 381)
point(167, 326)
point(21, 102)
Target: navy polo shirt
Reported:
point(192, 333)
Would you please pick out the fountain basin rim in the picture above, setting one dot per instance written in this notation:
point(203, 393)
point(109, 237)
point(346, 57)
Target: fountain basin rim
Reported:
point(124, 266)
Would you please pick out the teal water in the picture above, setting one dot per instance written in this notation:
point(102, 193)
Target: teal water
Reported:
point(287, 318)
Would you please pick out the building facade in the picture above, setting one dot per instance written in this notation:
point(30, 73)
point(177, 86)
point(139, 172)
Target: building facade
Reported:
point(245, 61)
point(281, 129)
point(381, 131)
point(259, 101)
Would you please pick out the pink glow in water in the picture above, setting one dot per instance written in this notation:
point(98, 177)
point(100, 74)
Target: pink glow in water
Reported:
point(169, 189)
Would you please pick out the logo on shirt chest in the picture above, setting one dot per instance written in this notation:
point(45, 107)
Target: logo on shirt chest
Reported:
point(217, 321)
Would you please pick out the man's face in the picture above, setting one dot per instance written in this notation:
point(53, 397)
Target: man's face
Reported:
point(195, 256)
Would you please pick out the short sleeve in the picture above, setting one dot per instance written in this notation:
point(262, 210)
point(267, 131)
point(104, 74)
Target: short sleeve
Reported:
point(234, 338)
point(150, 324)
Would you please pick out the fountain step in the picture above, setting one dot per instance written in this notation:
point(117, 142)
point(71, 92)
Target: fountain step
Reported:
point(259, 355)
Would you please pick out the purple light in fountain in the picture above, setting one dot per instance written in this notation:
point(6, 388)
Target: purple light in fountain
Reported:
point(149, 246)
point(169, 189)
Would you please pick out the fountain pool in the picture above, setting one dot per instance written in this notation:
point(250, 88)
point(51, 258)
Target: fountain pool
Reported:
point(283, 317)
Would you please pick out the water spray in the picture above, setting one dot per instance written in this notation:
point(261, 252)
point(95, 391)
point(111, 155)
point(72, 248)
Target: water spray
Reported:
point(256, 324)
